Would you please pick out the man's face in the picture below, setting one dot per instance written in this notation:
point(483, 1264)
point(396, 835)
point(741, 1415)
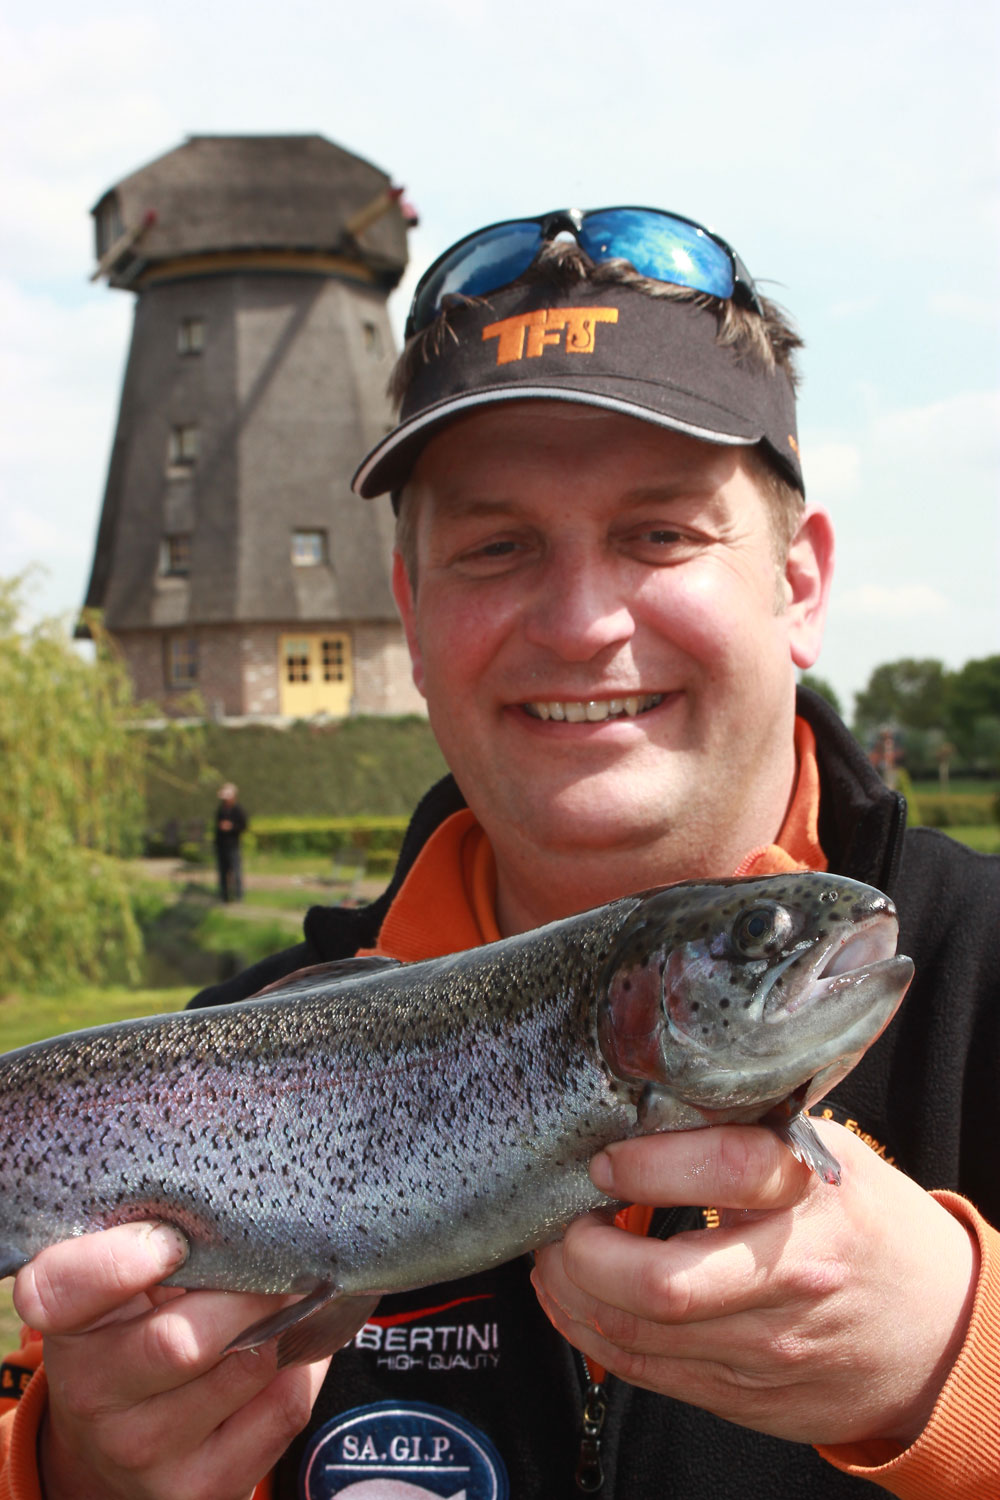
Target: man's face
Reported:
point(604, 636)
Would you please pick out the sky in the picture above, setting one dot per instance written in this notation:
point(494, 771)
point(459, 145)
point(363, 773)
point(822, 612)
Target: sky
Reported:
point(850, 153)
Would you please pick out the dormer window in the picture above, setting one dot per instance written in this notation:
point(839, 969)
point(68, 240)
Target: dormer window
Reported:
point(109, 223)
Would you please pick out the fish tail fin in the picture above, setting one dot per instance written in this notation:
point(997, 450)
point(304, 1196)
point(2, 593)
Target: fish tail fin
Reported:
point(803, 1141)
point(318, 1325)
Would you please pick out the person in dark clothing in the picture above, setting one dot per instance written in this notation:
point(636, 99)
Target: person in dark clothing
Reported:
point(230, 825)
point(608, 577)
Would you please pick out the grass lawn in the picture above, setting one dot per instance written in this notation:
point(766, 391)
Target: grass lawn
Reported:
point(985, 840)
point(29, 1018)
point(960, 786)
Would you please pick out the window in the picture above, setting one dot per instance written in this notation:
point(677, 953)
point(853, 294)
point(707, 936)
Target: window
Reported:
point(183, 447)
point(334, 659)
point(296, 654)
point(175, 555)
point(182, 661)
point(109, 223)
point(190, 335)
point(373, 338)
point(308, 548)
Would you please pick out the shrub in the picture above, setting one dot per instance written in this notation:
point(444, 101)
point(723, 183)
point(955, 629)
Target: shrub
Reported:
point(956, 810)
point(71, 775)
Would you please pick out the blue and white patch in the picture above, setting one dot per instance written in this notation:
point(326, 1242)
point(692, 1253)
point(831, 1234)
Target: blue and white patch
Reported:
point(395, 1450)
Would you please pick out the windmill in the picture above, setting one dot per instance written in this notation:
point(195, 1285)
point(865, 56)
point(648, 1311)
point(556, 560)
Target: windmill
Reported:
point(231, 556)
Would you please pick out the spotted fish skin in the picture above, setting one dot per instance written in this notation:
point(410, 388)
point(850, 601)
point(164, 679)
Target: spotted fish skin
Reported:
point(371, 1131)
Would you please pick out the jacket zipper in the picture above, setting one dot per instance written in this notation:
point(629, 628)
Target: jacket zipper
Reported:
point(589, 1474)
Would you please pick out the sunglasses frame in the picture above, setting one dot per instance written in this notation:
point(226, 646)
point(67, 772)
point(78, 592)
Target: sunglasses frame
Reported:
point(571, 220)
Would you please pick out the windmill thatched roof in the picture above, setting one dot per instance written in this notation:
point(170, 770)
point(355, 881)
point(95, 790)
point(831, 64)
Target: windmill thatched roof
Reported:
point(238, 193)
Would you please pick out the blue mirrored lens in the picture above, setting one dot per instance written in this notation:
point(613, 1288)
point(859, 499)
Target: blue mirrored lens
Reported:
point(491, 260)
point(661, 247)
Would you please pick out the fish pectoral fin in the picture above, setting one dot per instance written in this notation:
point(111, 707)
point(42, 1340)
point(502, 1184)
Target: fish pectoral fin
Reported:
point(804, 1142)
point(317, 1325)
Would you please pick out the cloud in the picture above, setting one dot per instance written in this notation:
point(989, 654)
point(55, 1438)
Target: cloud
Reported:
point(76, 111)
point(59, 370)
point(966, 307)
point(893, 602)
point(833, 469)
point(915, 496)
point(957, 432)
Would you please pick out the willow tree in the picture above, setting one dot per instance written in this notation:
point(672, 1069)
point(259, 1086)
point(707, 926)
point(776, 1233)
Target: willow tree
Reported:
point(70, 806)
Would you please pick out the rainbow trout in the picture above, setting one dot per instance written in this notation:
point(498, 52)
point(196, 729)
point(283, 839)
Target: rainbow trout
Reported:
point(369, 1126)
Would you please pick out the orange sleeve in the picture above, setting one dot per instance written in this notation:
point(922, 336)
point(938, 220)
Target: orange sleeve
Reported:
point(23, 1390)
point(21, 1414)
point(957, 1456)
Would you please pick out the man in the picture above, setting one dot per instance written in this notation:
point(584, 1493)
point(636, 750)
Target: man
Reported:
point(608, 577)
point(230, 825)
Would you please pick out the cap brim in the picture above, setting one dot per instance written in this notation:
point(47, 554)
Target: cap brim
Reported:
point(390, 463)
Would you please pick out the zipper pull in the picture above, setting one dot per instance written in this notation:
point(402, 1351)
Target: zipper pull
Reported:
point(589, 1469)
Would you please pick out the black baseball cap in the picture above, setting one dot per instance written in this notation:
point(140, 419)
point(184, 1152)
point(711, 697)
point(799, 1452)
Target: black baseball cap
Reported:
point(604, 345)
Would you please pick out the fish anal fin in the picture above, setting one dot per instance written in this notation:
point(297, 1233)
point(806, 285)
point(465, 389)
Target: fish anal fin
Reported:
point(325, 1331)
point(804, 1142)
point(310, 1329)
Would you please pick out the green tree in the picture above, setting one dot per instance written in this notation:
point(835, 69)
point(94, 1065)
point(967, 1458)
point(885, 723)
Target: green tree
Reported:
point(72, 775)
point(913, 694)
point(822, 687)
point(974, 708)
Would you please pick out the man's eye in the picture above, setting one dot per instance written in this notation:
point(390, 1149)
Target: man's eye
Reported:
point(497, 549)
point(483, 554)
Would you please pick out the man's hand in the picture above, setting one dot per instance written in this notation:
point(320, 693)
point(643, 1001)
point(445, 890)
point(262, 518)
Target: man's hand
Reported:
point(818, 1314)
point(142, 1406)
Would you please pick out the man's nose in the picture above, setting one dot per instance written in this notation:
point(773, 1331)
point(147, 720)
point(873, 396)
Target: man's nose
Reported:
point(579, 610)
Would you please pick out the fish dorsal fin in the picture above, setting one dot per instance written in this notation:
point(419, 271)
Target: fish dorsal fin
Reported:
point(11, 1260)
point(318, 1325)
point(327, 974)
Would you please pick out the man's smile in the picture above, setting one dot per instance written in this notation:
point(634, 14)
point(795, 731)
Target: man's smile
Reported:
point(593, 710)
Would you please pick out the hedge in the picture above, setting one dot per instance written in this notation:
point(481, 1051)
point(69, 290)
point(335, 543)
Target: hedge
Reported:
point(956, 809)
point(288, 835)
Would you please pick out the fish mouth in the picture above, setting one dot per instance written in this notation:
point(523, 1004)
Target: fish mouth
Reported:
point(857, 983)
point(847, 967)
point(592, 710)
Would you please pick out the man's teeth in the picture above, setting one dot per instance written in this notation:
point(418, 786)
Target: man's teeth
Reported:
point(594, 710)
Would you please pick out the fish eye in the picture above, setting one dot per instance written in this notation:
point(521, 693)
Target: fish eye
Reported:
point(761, 930)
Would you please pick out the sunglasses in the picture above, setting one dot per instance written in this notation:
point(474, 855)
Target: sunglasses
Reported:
point(662, 246)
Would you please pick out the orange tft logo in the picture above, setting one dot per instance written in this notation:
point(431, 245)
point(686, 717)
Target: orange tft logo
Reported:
point(526, 335)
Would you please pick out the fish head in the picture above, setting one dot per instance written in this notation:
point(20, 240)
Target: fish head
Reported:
point(746, 992)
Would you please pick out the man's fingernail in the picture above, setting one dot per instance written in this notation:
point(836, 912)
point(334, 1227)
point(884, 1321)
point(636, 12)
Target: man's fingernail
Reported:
point(601, 1173)
point(169, 1244)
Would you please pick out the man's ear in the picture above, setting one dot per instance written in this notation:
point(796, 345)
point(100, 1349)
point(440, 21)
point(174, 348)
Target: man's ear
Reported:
point(402, 591)
point(807, 579)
